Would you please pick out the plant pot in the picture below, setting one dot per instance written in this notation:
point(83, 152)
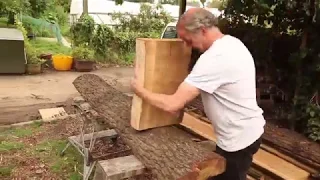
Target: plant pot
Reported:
point(48, 62)
point(33, 68)
point(83, 65)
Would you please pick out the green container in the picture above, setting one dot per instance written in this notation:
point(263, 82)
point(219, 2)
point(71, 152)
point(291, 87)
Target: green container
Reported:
point(12, 53)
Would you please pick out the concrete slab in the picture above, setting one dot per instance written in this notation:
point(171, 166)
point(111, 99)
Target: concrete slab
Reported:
point(54, 86)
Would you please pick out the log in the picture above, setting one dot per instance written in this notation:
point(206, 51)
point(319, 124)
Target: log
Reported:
point(286, 141)
point(168, 152)
point(163, 65)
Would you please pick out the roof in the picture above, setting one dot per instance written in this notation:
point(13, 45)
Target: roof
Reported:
point(10, 34)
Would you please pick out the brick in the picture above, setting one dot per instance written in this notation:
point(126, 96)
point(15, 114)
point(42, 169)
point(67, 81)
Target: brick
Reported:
point(118, 168)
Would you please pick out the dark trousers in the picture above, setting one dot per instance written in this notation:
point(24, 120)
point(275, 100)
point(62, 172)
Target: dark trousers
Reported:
point(238, 163)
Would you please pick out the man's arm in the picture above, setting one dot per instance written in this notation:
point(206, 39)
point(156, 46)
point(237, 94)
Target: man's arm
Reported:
point(170, 103)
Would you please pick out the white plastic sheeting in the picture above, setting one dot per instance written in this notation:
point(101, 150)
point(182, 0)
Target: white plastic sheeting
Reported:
point(100, 10)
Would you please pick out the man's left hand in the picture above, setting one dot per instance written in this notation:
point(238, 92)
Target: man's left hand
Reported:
point(136, 83)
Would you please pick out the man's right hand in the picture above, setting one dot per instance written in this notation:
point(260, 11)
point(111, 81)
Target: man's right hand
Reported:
point(195, 167)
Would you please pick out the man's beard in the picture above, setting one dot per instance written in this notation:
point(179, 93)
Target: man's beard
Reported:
point(194, 58)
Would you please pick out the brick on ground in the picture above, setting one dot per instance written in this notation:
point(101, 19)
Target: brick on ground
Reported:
point(118, 168)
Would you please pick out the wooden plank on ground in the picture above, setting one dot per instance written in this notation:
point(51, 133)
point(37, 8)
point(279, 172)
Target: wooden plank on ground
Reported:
point(264, 159)
point(163, 65)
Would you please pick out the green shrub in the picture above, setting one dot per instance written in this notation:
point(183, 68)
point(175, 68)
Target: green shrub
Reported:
point(83, 30)
point(83, 52)
point(313, 122)
point(117, 44)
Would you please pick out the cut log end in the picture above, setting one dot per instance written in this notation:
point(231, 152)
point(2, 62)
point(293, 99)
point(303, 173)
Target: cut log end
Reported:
point(162, 66)
point(210, 167)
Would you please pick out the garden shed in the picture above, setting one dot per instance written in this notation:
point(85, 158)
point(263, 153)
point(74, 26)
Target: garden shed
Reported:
point(12, 54)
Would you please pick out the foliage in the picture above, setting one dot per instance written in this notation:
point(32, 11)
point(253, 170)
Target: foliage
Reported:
point(54, 11)
point(83, 52)
point(150, 19)
point(117, 44)
point(220, 4)
point(37, 7)
point(32, 56)
point(83, 30)
point(56, 15)
point(313, 126)
point(173, 2)
point(20, 27)
point(111, 45)
point(102, 40)
point(283, 37)
point(12, 6)
point(44, 47)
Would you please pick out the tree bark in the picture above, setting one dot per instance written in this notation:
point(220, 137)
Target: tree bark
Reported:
point(287, 141)
point(168, 152)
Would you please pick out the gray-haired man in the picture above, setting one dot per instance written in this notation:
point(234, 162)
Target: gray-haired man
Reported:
point(224, 75)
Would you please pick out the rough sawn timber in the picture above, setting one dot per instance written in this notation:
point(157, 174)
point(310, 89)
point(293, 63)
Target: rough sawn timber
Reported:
point(168, 151)
point(286, 141)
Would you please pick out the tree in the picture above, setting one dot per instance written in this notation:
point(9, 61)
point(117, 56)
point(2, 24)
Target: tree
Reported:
point(284, 39)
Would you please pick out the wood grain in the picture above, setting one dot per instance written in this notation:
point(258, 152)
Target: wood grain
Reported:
point(163, 65)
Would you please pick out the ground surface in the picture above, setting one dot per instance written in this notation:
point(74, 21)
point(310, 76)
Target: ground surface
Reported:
point(21, 96)
point(33, 151)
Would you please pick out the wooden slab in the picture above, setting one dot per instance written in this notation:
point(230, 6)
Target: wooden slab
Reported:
point(262, 158)
point(163, 65)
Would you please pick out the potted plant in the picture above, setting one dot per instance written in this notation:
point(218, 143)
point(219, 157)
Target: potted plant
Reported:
point(34, 63)
point(83, 58)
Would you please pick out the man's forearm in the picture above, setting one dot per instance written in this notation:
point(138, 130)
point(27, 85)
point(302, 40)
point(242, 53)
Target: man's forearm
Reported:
point(161, 101)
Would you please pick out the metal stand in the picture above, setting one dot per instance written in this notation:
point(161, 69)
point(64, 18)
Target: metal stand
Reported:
point(79, 143)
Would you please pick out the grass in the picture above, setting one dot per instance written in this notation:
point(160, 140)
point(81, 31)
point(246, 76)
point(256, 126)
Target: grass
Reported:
point(44, 150)
point(17, 132)
point(45, 46)
point(49, 152)
point(3, 23)
point(7, 146)
point(6, 171)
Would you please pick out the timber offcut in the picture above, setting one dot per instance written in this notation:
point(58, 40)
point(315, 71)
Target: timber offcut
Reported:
point(162, 66)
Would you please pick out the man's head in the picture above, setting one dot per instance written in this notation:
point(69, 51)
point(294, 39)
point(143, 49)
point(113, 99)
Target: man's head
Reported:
point(198, 28)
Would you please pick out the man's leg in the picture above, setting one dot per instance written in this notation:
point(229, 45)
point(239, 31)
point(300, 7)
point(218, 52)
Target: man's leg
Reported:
point(238, 163)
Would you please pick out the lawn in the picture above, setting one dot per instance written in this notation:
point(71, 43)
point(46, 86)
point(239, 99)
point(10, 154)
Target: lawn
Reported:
point(3, 23)
point(33, 152)
point(46, 46)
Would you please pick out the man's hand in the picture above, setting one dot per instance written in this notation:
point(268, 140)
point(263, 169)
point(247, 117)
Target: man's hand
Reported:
point(136, 83)
point(171, 103)
point(195, 167)
point(136, 86)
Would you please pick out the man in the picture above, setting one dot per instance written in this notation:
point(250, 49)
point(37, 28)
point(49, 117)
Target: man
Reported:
point(224, 75)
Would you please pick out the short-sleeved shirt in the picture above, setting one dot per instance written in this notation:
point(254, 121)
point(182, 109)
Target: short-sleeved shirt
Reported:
point(225, 74)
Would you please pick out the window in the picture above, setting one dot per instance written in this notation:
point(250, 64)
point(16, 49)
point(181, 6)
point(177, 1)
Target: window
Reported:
point(170, 32)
